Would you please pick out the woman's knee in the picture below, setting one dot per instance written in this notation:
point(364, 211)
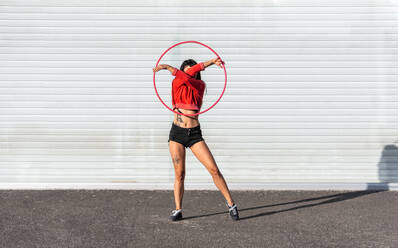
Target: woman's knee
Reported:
point(215, 171)
point(180, 176)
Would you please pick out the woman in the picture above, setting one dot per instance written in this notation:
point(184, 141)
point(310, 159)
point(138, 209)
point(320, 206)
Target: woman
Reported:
point(187, 95)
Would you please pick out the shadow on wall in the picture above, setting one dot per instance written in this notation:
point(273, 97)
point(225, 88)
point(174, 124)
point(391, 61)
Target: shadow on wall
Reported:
point(387, 167)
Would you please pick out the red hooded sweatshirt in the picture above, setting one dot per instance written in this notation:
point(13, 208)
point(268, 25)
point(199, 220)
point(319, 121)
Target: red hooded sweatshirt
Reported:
point(187, 91)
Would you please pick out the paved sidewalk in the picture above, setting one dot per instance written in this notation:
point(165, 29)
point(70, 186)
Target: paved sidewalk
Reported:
point(138, 218)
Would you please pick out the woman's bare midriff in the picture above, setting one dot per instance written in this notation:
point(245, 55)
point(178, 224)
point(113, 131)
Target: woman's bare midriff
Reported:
point(186, 121)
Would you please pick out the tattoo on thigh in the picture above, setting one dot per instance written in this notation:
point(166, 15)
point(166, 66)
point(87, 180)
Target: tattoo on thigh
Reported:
point(176, 160)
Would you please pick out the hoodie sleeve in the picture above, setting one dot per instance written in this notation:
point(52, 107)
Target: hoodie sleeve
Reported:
point(183, 78)
point(174, 72)
point(196, 68)
point(180, 74)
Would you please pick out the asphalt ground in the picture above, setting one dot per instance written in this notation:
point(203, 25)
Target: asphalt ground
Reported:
point(139, 218)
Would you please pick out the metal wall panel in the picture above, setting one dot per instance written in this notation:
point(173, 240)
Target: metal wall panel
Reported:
point(311, 94)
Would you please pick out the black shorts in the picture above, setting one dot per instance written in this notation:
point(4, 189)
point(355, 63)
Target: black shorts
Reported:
point(185, 136)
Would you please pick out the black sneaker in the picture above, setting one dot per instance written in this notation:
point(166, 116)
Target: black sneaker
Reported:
point(176, 215)
point(233, 211)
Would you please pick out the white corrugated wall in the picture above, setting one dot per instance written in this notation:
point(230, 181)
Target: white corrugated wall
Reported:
point(311, 99)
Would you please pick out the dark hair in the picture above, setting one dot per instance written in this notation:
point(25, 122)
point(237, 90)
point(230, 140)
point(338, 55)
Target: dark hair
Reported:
point(191, 63)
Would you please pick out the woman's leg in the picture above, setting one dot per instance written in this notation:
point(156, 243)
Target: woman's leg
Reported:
point(203, 154)
point(177, 152)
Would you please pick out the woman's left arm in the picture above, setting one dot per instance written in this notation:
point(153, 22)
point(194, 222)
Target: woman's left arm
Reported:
point(216, 61)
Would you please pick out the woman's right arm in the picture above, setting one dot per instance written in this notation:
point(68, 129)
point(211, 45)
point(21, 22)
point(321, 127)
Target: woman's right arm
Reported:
point(164, 67)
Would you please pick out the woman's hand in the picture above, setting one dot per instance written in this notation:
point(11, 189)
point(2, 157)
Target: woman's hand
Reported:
point(164, 67)
point(218, 62)
point(159, 67)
